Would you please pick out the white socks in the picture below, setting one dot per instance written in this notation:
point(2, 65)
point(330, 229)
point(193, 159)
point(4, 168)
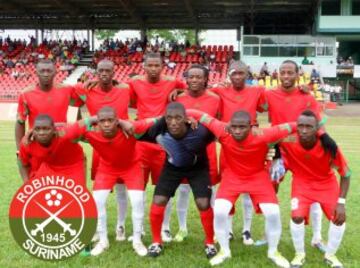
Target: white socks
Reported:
point(121, 198)
point(167, 216)
point(335, 236)
point(100, 197)
point(137, 204)
point(316, 217)
point(272, 225)
point(137, 207)
point(182, 205)
point(222, 209)
point(247, 212)
point(297, 235)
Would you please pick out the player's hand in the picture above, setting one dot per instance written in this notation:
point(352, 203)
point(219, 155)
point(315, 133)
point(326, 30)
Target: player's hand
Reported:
point(91, 84)
point(127, 128)
point(192, 122)
point(173, 95)
point(339, 217)
point(270, 154)
point(277, 170)
point(29, 136)
point(305, 89)
point(224, 84)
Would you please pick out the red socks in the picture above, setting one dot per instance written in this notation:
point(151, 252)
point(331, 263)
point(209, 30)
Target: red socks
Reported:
point(156, 219)
point(207, 220)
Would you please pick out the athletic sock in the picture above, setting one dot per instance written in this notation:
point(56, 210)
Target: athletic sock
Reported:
point(335, 237)
point(272, 226)
point(121, 197)
point(182, 205)
point(137, 213)
point(167, 216)
point(297, 235)
point(156, 219)
point(221, 210)
point(316, 217)
point(247, 212)
point(207, 220)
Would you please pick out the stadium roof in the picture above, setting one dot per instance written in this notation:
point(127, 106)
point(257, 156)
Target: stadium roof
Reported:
point(280, 16)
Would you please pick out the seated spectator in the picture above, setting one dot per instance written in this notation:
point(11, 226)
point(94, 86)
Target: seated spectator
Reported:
point(274, 75)
point(305, 61)
point(315, 76)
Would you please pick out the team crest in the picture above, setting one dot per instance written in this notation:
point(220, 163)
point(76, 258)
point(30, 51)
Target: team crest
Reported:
point(53, 218)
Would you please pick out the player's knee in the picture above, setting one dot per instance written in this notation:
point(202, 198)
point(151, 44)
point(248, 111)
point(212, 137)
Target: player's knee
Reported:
point(297, 220)
point(202, 203)
point(222, 208)
point(160, 200)
point(270, 211)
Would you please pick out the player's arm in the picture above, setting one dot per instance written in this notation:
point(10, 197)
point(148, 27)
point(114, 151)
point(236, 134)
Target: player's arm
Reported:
point(179, 88)
point(137, 128)
point(340, 164)
point(159, 127)
point(22, 114)
point(261, 104)
point(277, 133)
point(23, 161)
point(217, 127)
point(78, 130)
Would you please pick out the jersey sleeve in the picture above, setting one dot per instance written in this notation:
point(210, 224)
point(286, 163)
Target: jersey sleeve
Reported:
point(217, 127)
point(150, 135)
point(76, 94)
point(22, 109)
point(340, 164)
point(180, 84)
point(75, 131)
point(142, 126)
point(275, 134)
point(261, 105)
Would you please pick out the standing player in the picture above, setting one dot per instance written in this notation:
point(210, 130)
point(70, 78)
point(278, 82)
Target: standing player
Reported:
point(186, 158)
point(118, 161)
point(150, 94)
point(44, 98)
point(197, 97)
point(50, 153)
point(285, 104)
point(239, 96)
point(104, 93)
point(311, 160)
point(245, 152)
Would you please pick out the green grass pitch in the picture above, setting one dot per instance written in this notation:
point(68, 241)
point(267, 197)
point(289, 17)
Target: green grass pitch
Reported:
point(190, 253)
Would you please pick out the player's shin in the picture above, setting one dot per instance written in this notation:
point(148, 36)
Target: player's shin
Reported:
point(297, 235)
point(316, 220)
point(156, 219)
point(335, 237)
point(247, 212)
point(100, 197)
point(272, 226)
point(182, 205)
point(121, 198)
point(221, 215)
point(137, 204)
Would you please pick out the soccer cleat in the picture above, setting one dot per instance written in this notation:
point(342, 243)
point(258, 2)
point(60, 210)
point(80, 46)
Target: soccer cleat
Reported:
point(95, 238)
point(231, 236)
point(210, 250)
point(247, 240)
point(86, 251)
point(319, 245)
point(120, 233)
point(298, 260)
point(99, 248)
point(181, 235)
point(140, 249)
point(154, 250)
point(220, 258)
point(332, 261)
point(279, 260)
point(166, 236)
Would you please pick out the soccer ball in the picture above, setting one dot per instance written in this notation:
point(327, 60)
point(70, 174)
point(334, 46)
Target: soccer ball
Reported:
point(53, 198)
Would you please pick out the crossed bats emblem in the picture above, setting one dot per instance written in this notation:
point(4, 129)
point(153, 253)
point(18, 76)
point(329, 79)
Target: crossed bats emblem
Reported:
point(53, 217)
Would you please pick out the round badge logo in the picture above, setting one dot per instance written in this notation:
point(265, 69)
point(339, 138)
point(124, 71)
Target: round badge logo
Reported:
point(53, 218)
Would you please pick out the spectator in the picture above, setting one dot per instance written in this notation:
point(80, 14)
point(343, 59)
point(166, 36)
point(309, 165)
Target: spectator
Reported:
point(305, 61)
point(264, 71)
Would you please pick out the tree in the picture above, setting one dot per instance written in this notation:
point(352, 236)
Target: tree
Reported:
point(180, 35)
point(105, 34)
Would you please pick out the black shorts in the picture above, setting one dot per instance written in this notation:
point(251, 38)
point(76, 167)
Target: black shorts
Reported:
point(171, 177)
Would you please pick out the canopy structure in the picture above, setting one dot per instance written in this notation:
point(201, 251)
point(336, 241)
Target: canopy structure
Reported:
point(257, 16)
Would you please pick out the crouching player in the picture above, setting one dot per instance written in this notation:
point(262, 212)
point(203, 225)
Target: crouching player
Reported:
point(46, 150)
point(245, 151)
point(119, 163)
point(311, 160)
